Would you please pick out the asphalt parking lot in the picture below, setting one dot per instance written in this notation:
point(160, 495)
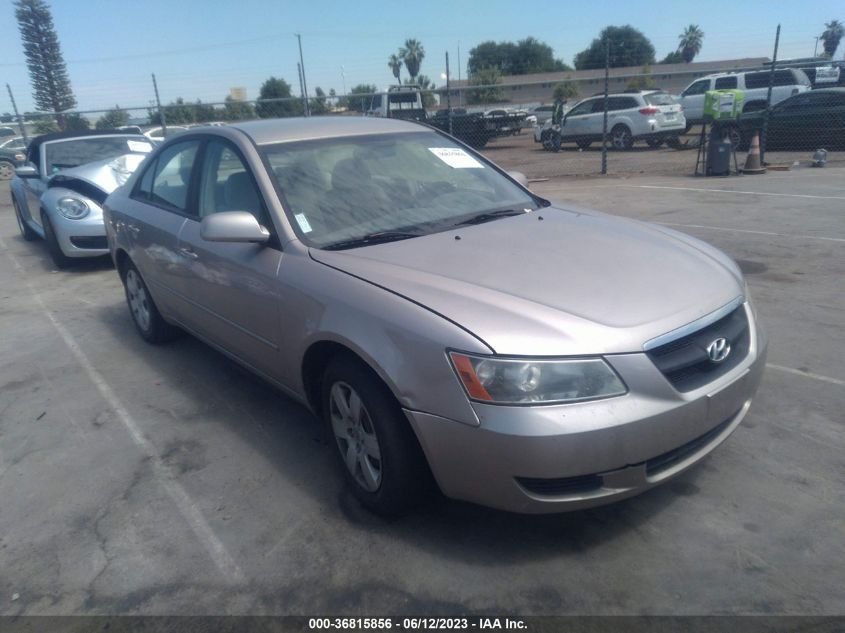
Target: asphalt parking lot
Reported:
point(166, 480)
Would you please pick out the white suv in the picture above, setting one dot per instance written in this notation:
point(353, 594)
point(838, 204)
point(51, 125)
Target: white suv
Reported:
point(755, 85)
point(649, 115)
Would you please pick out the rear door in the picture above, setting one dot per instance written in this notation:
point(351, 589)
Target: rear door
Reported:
point(231, 287)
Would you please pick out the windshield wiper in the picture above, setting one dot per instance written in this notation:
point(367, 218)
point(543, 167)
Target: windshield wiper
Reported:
point(371, 238)
point(487, 216)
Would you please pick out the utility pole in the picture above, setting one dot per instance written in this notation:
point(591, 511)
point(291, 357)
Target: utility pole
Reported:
point(768, 111)
point(343, 78)
point(816, 48)
point(301, 89)
point(17, 116)
point(604, 124)
point(448, 94)
point(302, 66)
point(460, 94)
point(160, 109)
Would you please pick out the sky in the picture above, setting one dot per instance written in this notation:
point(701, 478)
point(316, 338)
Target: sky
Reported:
point(200, 49)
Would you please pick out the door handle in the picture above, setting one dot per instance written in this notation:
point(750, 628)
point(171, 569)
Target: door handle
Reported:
point(188, 252)
point(133, 229)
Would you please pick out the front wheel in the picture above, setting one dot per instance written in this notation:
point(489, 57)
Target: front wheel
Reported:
point(7, 170)
point(148, 321)
point(622, 138)
point(378, 451)
point(56, 254)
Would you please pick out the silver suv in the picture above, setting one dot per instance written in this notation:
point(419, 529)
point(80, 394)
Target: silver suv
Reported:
point(785, 83)
point(649, 115)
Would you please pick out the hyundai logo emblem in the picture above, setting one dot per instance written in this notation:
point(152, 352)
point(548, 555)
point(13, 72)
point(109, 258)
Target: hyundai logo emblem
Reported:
point(718, 350)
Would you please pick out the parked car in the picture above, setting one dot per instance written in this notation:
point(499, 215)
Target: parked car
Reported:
point(15, 142)
point(543, 113)
point(57, 195)
point(652, 116)
point(10, 158)
point(157, 133)
point(809, 120)
point(438, 316)
point(754, 84)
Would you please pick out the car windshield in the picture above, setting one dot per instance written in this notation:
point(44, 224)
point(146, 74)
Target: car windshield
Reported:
point(80, 151)
point(398, 185)
point(659, 99)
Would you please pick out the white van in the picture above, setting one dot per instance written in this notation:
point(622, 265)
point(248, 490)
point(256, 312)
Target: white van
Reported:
point(399, 102)
point(755, 85)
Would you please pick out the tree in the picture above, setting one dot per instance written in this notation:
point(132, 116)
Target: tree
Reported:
point(112, 119)
point(489, 93)
point(234, 110)
point(47, 69)
point(833, 32)
point(674, 57)
point(412, 54)
point(203, 113)
point(691, 40)
point(6, 117)
point(360, 104)
point(394, 62)
point(566, 90)
point(45, 126)
point(277, 88)
point(643, 81)
point(628, 47)
point(75, 122)
point(318, 105)
point(520, 58)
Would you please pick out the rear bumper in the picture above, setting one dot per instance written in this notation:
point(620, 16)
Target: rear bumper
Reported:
point(569, 457)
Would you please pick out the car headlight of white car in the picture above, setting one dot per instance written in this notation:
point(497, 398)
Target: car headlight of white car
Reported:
point(535, 381)
point(72, 208)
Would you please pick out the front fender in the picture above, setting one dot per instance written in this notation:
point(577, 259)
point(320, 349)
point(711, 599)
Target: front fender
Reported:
point(50, 198)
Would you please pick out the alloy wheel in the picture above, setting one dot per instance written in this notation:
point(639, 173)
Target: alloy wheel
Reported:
point(622, 138)
point(139, 303)
point(355, 436)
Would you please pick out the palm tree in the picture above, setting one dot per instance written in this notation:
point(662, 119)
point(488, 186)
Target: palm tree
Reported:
point(395, 64)
point(833, 32)
point(412, 54)
point(691, 40)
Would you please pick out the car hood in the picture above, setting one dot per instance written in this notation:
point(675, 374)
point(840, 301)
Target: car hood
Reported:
point(554, 281)
point(106, 175)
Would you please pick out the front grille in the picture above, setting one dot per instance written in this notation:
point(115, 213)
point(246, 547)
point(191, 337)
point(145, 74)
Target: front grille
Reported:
point(668, 459)
point(561, 486)
point(685, 362)
point(89, 241)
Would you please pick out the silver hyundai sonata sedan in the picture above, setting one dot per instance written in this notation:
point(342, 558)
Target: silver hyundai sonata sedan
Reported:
point(447, 324)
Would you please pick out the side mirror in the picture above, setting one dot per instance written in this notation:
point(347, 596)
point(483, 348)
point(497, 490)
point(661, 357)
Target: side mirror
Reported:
point(519, 177)
point(232, 226)
point(27, 171)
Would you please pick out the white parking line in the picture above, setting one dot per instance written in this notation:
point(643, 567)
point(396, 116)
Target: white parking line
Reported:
point(749, 193)
point(807, 374)
point(730, 230)
point(187, 506)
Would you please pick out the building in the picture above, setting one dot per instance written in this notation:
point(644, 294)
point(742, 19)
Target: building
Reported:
point(538, 88)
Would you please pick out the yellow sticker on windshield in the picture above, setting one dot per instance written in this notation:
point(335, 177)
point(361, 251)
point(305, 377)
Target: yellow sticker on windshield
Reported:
point(455, 157)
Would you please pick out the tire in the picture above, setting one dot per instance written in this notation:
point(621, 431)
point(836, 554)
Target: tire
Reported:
point(654, 143)
point(621, 137)
point(673, 141)
point(59, 258)
point(145, 315)
point(7, 170)
point(375, 446)
point(583, 144)
point(26, 232)
point(687, 128)
point(546, 141)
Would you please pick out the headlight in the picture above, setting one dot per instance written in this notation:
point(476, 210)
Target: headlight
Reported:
point(540, 381)
point(72, 208)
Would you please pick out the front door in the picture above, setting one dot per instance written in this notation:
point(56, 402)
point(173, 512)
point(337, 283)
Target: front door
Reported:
point(232, 286)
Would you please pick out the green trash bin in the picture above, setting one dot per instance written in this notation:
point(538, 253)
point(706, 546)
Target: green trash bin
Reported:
point(723, 105)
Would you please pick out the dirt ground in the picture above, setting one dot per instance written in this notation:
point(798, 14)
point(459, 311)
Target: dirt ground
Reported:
point(521, 153)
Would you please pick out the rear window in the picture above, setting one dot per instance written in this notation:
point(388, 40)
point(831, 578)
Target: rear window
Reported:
point(784, 77)
point(756, 80)
point(726, 83)
point(659, 99)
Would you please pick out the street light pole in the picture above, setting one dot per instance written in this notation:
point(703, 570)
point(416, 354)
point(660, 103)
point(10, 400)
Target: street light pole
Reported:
point(302, 66)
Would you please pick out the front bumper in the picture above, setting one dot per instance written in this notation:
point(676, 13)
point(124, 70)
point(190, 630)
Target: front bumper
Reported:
point(567, 457)
point(81, 238)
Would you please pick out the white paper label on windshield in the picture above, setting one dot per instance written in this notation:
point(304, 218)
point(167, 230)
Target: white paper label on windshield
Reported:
point(303, 222)
point(455, 157)
point(139, 146)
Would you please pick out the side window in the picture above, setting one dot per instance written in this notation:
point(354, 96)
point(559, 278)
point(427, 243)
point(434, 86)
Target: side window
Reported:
point(784, 78)
point(584, 107)
point(166, 181)
point(227, 184)
point(697, 88)
point(726, 83)
point(756, 80)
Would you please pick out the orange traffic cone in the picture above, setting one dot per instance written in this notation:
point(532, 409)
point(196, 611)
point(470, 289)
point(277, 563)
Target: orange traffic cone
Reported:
point(752, 161)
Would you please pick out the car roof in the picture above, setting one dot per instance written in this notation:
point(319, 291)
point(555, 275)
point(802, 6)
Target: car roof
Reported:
point(302, 129)
point(56, 136)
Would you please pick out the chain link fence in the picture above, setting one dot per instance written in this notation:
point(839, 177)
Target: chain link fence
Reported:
point(653, 117)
